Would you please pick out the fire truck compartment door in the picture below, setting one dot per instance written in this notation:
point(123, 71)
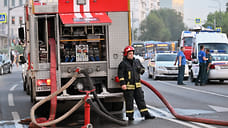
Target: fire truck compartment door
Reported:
point(81, 19)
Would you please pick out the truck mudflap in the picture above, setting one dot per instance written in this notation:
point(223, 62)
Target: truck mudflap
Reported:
point(78, 97)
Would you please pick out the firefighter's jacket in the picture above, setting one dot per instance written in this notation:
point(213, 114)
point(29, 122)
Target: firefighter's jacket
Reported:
point(129, 73)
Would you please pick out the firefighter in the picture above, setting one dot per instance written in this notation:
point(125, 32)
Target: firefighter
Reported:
point(129, 71)
point(208, 64)
point(202, 66)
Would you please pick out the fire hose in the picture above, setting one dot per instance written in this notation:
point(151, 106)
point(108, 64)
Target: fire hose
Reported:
point(74, 108)
point(181, 117)
point(97, 108)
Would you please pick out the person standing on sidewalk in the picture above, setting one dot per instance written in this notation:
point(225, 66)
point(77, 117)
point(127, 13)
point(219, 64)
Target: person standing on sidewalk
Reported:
point(202, 67)
point(181, 66)
point(208, 64)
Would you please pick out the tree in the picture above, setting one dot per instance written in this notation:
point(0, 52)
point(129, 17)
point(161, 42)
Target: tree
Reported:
point(153, 28)
point(162, 25)
point(215, 19)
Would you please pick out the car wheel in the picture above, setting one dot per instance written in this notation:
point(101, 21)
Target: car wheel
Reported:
point(185, 78)
point(149, 75)
point(10, 69)
point(191, 77)
point(154, 76)
point(1, 71)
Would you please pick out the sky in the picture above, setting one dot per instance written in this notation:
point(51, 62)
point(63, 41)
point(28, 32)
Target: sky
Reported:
point(200, 9)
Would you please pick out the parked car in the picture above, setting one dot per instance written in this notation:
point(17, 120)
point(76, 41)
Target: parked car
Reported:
point(163, 66)
point(5, 64)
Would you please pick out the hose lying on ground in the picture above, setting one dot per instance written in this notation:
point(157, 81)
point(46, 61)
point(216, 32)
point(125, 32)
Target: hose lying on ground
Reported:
point(100, 109)
point(186, 118)
point(32, 112)
point(101, 113)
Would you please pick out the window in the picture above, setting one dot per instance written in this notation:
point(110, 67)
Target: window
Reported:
point(5, 3)
point(20, 20)
point(13, 19)
point(13, 3)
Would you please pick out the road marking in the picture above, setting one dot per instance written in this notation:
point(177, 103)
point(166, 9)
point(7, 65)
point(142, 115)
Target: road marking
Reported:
point(204, 125)
point(169, 117)
point(12, 88)
point(202, 91)
point(10, 99)
point(218, 108)
point(16, 118)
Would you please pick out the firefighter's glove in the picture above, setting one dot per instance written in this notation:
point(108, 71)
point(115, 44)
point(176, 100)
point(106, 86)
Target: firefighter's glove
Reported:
point(142, 70)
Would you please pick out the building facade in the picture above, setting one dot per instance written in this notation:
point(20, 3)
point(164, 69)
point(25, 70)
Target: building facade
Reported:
point(178, 5)
point(139, 11)
point(16, 20)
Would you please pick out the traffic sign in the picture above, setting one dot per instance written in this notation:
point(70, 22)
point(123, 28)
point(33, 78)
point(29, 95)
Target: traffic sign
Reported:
point(219, 29)
point(197, 20)
point(2, 17)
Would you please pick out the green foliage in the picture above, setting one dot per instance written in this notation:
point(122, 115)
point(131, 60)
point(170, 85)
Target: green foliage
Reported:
point(18, 48)
point(221, 20)
point(163, 25)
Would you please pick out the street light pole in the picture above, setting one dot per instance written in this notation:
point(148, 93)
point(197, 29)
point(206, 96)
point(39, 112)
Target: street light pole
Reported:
point(8, 21)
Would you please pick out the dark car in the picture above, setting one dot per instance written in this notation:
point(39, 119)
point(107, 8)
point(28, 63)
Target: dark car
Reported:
point(5, 65)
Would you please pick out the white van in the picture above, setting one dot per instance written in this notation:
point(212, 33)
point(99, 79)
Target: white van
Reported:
point(218, 45)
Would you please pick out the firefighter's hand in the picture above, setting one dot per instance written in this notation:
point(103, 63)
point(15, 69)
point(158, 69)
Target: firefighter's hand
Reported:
point(179, 65)
point(124, 87)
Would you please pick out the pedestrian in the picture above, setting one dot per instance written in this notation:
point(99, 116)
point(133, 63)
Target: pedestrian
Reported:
point(181, 66)
point(202, 66)
point(129, 71)
point(208, 64)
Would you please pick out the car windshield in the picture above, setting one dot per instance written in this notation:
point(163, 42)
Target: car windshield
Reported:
point(221, 48)
point(188, 41)
point(219, 58)
point(166, 57)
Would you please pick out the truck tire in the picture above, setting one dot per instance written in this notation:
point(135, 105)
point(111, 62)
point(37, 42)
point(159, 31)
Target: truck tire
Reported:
point(32, 96)
point(221, 81)
point(117, 106)
point(10, 69)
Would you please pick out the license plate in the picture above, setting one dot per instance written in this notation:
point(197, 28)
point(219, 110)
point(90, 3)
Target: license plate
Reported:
point(43, 88)
point(173, 72)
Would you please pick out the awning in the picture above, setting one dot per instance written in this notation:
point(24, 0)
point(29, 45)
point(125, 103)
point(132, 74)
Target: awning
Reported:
point(76, 19)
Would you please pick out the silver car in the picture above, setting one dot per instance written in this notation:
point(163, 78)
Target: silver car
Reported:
point(5, 64)
point(163, 66)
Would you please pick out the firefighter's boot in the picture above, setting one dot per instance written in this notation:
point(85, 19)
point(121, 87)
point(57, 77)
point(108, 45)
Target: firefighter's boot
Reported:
point(130, 116)
point(147, 115)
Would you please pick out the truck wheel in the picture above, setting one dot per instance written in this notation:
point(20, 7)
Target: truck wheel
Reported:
point(32, 97)
point(117, 106)
point(221, 81)
point(24, 85)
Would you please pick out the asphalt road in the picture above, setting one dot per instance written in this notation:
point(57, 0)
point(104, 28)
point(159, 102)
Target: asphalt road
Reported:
point(210, 101)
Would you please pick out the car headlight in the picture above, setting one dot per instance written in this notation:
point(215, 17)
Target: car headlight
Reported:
point(162, 67)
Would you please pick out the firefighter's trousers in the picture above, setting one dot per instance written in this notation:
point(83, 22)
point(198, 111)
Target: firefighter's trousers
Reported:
point(138, 95)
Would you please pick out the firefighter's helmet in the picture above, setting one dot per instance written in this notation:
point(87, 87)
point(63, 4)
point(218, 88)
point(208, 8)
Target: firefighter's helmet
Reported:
point(128, 49)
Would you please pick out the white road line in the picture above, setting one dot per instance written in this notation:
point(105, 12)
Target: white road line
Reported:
point(16, 118)
point(168, 118)
point(202, 91)
point(10, 99)
point(204, 125)
point(181, 122)
point(12, 88)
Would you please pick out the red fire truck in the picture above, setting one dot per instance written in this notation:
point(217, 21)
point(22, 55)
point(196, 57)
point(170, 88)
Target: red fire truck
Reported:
point(89, 34)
